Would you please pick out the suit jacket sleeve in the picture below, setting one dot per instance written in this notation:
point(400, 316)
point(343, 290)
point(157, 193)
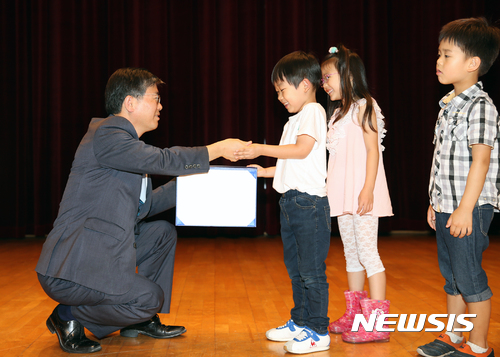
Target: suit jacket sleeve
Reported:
point(163, 198)
point(117, 146)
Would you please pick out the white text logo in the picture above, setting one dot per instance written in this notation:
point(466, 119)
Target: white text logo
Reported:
point(381, 324)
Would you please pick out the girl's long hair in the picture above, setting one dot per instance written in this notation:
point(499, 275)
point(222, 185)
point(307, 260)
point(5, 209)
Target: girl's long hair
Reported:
point(353, 84)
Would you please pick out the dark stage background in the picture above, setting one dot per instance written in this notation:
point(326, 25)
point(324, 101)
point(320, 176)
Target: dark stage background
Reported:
point(216, 58)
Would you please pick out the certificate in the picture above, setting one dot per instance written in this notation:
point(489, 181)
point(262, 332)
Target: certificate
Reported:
point(226, 196)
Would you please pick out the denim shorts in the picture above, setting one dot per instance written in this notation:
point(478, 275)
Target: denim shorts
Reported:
point(460, 258)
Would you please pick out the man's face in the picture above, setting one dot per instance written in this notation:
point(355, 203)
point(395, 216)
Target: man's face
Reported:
point(148, 109)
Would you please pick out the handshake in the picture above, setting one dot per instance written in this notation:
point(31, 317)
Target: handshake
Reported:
point(233, 150)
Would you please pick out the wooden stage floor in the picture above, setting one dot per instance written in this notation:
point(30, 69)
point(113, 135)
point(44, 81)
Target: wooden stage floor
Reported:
point(228, 292)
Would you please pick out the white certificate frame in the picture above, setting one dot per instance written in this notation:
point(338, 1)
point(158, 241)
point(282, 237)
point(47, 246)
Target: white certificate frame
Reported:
point(225, 196)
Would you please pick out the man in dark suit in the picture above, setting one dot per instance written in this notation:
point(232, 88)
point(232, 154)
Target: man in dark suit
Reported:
point(89, 259)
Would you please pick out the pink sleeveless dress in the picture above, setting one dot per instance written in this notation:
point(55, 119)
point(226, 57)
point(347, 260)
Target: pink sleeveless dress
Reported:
point(347, 165)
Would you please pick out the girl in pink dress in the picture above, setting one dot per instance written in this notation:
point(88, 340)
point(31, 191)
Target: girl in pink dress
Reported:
point(356, 187)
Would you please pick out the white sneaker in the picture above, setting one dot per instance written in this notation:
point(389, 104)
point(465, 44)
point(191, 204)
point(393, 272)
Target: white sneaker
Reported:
point(284, 333)
point(308, 341)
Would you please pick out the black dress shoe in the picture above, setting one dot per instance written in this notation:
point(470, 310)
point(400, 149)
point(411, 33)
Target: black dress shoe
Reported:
point(153, 328)
point(71, 335)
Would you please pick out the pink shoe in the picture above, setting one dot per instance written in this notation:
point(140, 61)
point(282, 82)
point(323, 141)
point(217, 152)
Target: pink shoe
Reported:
point(352, 308)
point(369, 306)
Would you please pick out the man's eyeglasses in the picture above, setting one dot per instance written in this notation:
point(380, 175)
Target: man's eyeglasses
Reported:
point(157, 96)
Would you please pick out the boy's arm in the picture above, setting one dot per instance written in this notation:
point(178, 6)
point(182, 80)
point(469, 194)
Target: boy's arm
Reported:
point(460, 221)
point(299, 150)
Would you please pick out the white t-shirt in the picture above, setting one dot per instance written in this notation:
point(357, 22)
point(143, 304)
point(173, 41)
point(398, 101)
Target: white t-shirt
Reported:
point(309, 174)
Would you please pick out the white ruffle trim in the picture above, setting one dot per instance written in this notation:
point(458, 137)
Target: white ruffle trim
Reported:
point(337, 131)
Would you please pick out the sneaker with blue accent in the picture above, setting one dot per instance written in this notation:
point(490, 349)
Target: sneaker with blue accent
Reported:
point(440, 347)
point(308, 341)
point(284, 333)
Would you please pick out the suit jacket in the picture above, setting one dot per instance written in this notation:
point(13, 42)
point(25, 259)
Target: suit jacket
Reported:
point(92, 241)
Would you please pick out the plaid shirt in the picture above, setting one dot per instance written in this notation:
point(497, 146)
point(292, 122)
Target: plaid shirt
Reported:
point(464, 120)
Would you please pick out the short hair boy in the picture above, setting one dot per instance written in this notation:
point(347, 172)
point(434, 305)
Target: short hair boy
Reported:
point(463, 186)
point(300, 176)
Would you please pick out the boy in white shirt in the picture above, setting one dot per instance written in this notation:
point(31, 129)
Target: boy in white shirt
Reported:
point(300, 176)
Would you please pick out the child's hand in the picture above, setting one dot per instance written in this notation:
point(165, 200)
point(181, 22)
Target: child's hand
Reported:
point(264, 172)
point(230, 146)
point(365, 201)
point(431, 217)
point(460, 223)
point(251, 151)
point(261, 172)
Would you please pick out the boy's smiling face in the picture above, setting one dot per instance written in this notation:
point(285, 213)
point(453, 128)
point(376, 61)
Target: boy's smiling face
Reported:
point(453, 67)
point(294, 99)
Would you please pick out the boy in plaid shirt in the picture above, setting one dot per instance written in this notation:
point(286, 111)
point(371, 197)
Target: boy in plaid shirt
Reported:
point(464, 183)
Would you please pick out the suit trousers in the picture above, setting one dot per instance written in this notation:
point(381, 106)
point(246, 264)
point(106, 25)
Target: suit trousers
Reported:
point(103, 313)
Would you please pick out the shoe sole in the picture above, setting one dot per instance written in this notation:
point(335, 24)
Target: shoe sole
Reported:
point(358, 342)
point(135, 333)
point(422, 353)
point(311, 350)
point(52, 329)
point(280, 340)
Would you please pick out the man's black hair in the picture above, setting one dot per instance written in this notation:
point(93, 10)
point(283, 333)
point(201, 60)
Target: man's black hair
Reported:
point(124, 82)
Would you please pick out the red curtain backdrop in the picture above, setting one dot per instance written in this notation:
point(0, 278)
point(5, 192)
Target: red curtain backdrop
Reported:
point(216, 59)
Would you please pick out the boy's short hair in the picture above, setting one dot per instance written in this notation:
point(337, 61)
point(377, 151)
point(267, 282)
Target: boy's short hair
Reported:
point(475, 37)
point(296, 66)
point(124, 82)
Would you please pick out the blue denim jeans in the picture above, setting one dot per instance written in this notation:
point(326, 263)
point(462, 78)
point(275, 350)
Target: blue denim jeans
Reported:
point(460, 258)
point(305, 231)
